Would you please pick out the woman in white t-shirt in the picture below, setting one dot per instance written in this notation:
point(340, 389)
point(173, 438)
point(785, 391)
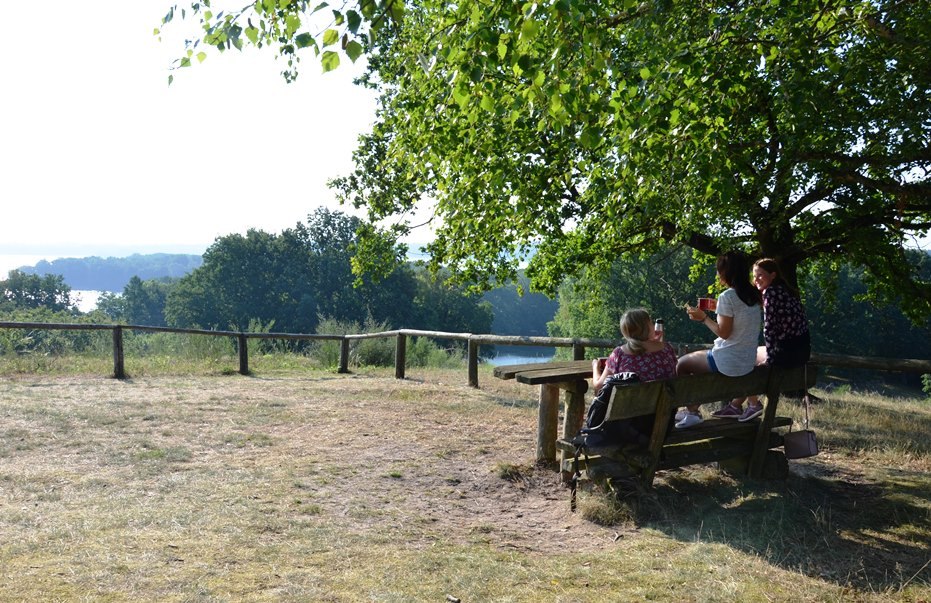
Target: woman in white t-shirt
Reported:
point(737, 329)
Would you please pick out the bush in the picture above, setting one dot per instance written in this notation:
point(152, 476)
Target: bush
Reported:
point(926, 383)
point(375, 351)
point(424, 352)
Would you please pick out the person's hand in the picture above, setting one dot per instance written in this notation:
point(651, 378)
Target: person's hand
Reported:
point(696, 314)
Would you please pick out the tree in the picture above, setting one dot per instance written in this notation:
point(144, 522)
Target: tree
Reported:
point(29, 291)
point(294, 279)
point(584, 130)
point(591, 305)
point(842, 323)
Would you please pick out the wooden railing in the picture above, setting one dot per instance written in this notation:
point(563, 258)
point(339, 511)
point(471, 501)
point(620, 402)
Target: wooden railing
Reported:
point(474, 342)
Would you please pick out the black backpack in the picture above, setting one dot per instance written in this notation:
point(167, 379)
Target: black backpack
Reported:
point(596, 433)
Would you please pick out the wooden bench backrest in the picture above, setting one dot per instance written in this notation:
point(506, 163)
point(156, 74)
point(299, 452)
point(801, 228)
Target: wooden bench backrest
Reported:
point(641, 398)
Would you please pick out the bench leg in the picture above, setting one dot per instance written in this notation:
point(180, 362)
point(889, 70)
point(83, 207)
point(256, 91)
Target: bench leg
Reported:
point(547, 423)
point(573, 416)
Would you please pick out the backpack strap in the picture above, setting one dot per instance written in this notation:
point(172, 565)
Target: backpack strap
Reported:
point(580, 450)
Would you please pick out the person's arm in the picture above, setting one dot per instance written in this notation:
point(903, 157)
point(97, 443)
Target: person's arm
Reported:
point(723, 328)
point(599, 373)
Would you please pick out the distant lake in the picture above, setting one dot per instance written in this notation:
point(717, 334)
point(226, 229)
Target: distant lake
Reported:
point(85, 300)
point(515, 354)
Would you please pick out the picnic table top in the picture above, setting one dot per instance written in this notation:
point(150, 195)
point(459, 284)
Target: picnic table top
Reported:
point(546, 372)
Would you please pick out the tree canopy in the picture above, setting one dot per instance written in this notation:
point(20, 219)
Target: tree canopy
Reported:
point(576, 131)
point(31, 291)
point(292, 280)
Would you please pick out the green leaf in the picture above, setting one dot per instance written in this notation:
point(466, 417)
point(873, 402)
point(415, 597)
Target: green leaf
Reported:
point(319, 7)
point(353, 20)
point(645, 73)
point(529, 30)
point(293, 23)
point(329, 60)
point(396, 10)
point(673, 117)
point(304, 40)
point(201, 57)
point(253, 34)
point(353, 50)
point(330, 37)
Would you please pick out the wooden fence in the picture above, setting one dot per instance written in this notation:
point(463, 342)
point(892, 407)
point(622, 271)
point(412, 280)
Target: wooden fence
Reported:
point(474, 342)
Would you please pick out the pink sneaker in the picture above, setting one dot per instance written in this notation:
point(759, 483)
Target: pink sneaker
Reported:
point(728, 412)
point(751, 413)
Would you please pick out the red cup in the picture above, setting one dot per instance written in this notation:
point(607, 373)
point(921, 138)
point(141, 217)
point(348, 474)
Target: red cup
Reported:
point(708, 304)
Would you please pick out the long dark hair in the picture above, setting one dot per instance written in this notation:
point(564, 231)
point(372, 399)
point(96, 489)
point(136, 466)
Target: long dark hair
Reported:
point(735, 272)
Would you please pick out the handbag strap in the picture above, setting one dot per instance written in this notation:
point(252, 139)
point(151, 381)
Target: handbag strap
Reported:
point(805, 397)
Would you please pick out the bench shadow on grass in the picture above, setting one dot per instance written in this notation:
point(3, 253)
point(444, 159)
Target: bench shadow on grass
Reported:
point(827, 520)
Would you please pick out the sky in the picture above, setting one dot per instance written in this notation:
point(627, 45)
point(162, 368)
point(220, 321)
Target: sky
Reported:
point(100, 156)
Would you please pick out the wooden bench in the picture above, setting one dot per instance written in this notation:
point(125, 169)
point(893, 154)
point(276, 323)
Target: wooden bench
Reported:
point(744, 447)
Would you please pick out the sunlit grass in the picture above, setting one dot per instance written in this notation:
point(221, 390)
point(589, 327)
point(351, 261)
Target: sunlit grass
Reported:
point(299, 484)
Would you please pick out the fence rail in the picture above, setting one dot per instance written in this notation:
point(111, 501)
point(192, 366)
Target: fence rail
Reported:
point(474, 343)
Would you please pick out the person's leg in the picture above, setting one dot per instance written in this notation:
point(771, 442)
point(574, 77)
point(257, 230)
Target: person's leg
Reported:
point(693, 363)
point(738, 403)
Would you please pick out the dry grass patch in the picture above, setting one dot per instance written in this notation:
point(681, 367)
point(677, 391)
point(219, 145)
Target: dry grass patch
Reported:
point(308, 486)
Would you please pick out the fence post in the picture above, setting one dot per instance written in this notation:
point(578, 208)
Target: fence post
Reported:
point(578, 351)
point(343, 355)
point(473, 362)
point(243, 354)
point(400, 356)
point(119, 369)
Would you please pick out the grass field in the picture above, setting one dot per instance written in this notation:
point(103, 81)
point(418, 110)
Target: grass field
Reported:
point(297, 484)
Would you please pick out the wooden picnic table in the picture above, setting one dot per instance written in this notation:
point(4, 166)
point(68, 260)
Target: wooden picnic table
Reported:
point(569, 377)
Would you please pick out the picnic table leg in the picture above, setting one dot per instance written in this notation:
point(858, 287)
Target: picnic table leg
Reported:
point(547, 422)
point(574, 413)
point(761, 442)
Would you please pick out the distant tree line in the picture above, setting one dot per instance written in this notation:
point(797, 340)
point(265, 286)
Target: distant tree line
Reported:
point(290, 282)
point(112, 274)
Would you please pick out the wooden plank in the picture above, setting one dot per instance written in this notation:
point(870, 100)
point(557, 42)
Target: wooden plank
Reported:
point(509, 371)
point(577, 370)
point(721, 428)
point(712, 428)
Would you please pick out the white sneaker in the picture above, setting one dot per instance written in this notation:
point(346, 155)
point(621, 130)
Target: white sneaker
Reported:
point(681, 414)
point(691, 419)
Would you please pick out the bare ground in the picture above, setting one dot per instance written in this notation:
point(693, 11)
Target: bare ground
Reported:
point(415, 462)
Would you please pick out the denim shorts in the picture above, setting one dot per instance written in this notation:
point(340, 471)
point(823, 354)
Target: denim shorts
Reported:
point(714, 367)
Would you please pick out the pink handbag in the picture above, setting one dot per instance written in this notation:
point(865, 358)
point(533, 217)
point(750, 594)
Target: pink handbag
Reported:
point(803, 443)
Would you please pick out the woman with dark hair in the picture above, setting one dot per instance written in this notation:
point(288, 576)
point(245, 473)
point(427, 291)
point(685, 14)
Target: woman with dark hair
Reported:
point(737, 329)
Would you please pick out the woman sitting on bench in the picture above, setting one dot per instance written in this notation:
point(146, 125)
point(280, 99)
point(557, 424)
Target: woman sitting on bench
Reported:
point(737, 329)
point(645, 352)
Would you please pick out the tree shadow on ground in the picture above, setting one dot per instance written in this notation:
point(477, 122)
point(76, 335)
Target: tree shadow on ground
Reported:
point(824, 521)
